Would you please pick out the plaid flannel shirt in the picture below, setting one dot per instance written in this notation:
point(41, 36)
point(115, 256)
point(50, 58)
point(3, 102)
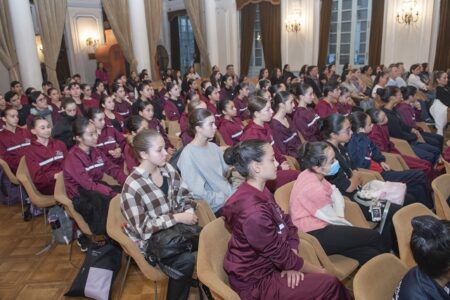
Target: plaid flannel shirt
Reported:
point(145, 206)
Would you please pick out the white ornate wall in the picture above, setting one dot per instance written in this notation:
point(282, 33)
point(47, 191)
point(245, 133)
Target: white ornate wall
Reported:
point(302, 47)
point(415, 43)
point(84, 19)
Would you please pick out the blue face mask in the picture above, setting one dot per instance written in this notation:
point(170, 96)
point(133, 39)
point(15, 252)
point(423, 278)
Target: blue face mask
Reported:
point(334, 168)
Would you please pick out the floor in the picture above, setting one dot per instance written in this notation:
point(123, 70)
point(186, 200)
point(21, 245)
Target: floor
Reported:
point(24, 275)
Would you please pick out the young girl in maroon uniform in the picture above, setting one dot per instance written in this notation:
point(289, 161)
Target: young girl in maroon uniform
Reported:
point(112, 119)
point(262, 260)
point(344, 103)
point(14, 140)
point(173, 105)
point(122, 103)
point(258, 128)
point(99, 90)
point(134, 125)
point(305, 118)
point(284, 133)
point(213, 98)
point(230, 126)
point(327, 106)
point(88, 101)
point(409, 110)
point(146, 111)
point(241, 101)
point(83, 170)
point(110, 141)
point(226, 90)
point(45, 156)
point(381, 138)
point(54, 98)
point(185, 135)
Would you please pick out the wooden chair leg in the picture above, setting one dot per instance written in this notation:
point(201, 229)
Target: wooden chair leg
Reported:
point(124, 277)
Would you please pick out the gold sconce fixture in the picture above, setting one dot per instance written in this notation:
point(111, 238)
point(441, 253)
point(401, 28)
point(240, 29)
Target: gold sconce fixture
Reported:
point(409, 13)
point(293, 23)
point(92, 44)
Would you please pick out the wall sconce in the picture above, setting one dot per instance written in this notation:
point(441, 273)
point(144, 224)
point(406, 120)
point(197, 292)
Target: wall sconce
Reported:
point(409, 13)
point(92, 44)
point(293, 24)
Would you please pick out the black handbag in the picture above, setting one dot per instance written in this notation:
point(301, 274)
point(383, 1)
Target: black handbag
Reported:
point(169, 243)
point(97, 274)
point(174, 241)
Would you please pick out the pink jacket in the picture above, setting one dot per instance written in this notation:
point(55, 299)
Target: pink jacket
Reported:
point(307, 197)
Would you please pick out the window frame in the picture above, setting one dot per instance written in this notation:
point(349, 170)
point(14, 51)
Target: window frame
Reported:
point(353, 34)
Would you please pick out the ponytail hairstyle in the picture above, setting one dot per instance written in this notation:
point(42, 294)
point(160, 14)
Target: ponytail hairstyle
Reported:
point(116, 87)
point(242, 85)
point(437, 75)
point(256, 104)
point(358, 120)
point(430, 245)
point(79, 127)
point(192, 105)
point(96, 85)
point(331, 124)
point(209, 90)
point(93, 112)
point(224, 79)
point(379, 75)
point(408, 91)
point(191, 95)
point(196, 118)
point(299, 89)
point(143, 141)
point(242, 154)
point(280, 97)
point(103, 99)
point(386, 93)
point(374, 115)
point(312, 154)
point(141, 105)
point(133, 123)
point(222, 105)
point(170, 86)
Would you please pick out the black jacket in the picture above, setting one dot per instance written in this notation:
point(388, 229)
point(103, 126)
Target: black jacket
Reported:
point(398, 129)
point(63, 130)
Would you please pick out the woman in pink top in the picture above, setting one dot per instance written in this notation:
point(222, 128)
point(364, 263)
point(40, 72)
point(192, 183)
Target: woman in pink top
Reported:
point(317, 207)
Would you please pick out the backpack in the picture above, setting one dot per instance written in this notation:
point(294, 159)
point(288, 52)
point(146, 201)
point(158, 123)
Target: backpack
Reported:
point(61, 224)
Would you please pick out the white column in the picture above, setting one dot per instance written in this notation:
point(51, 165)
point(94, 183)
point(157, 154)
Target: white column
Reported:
point(211, 32)
point(139, 35)
point(24, 38)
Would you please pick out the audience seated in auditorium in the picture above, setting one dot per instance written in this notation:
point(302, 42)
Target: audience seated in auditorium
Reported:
point(155, 198)
point(262, 260)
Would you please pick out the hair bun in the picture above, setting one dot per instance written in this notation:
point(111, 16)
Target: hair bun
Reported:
point(381, 92)
point(427, 226)
point(230, 156)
